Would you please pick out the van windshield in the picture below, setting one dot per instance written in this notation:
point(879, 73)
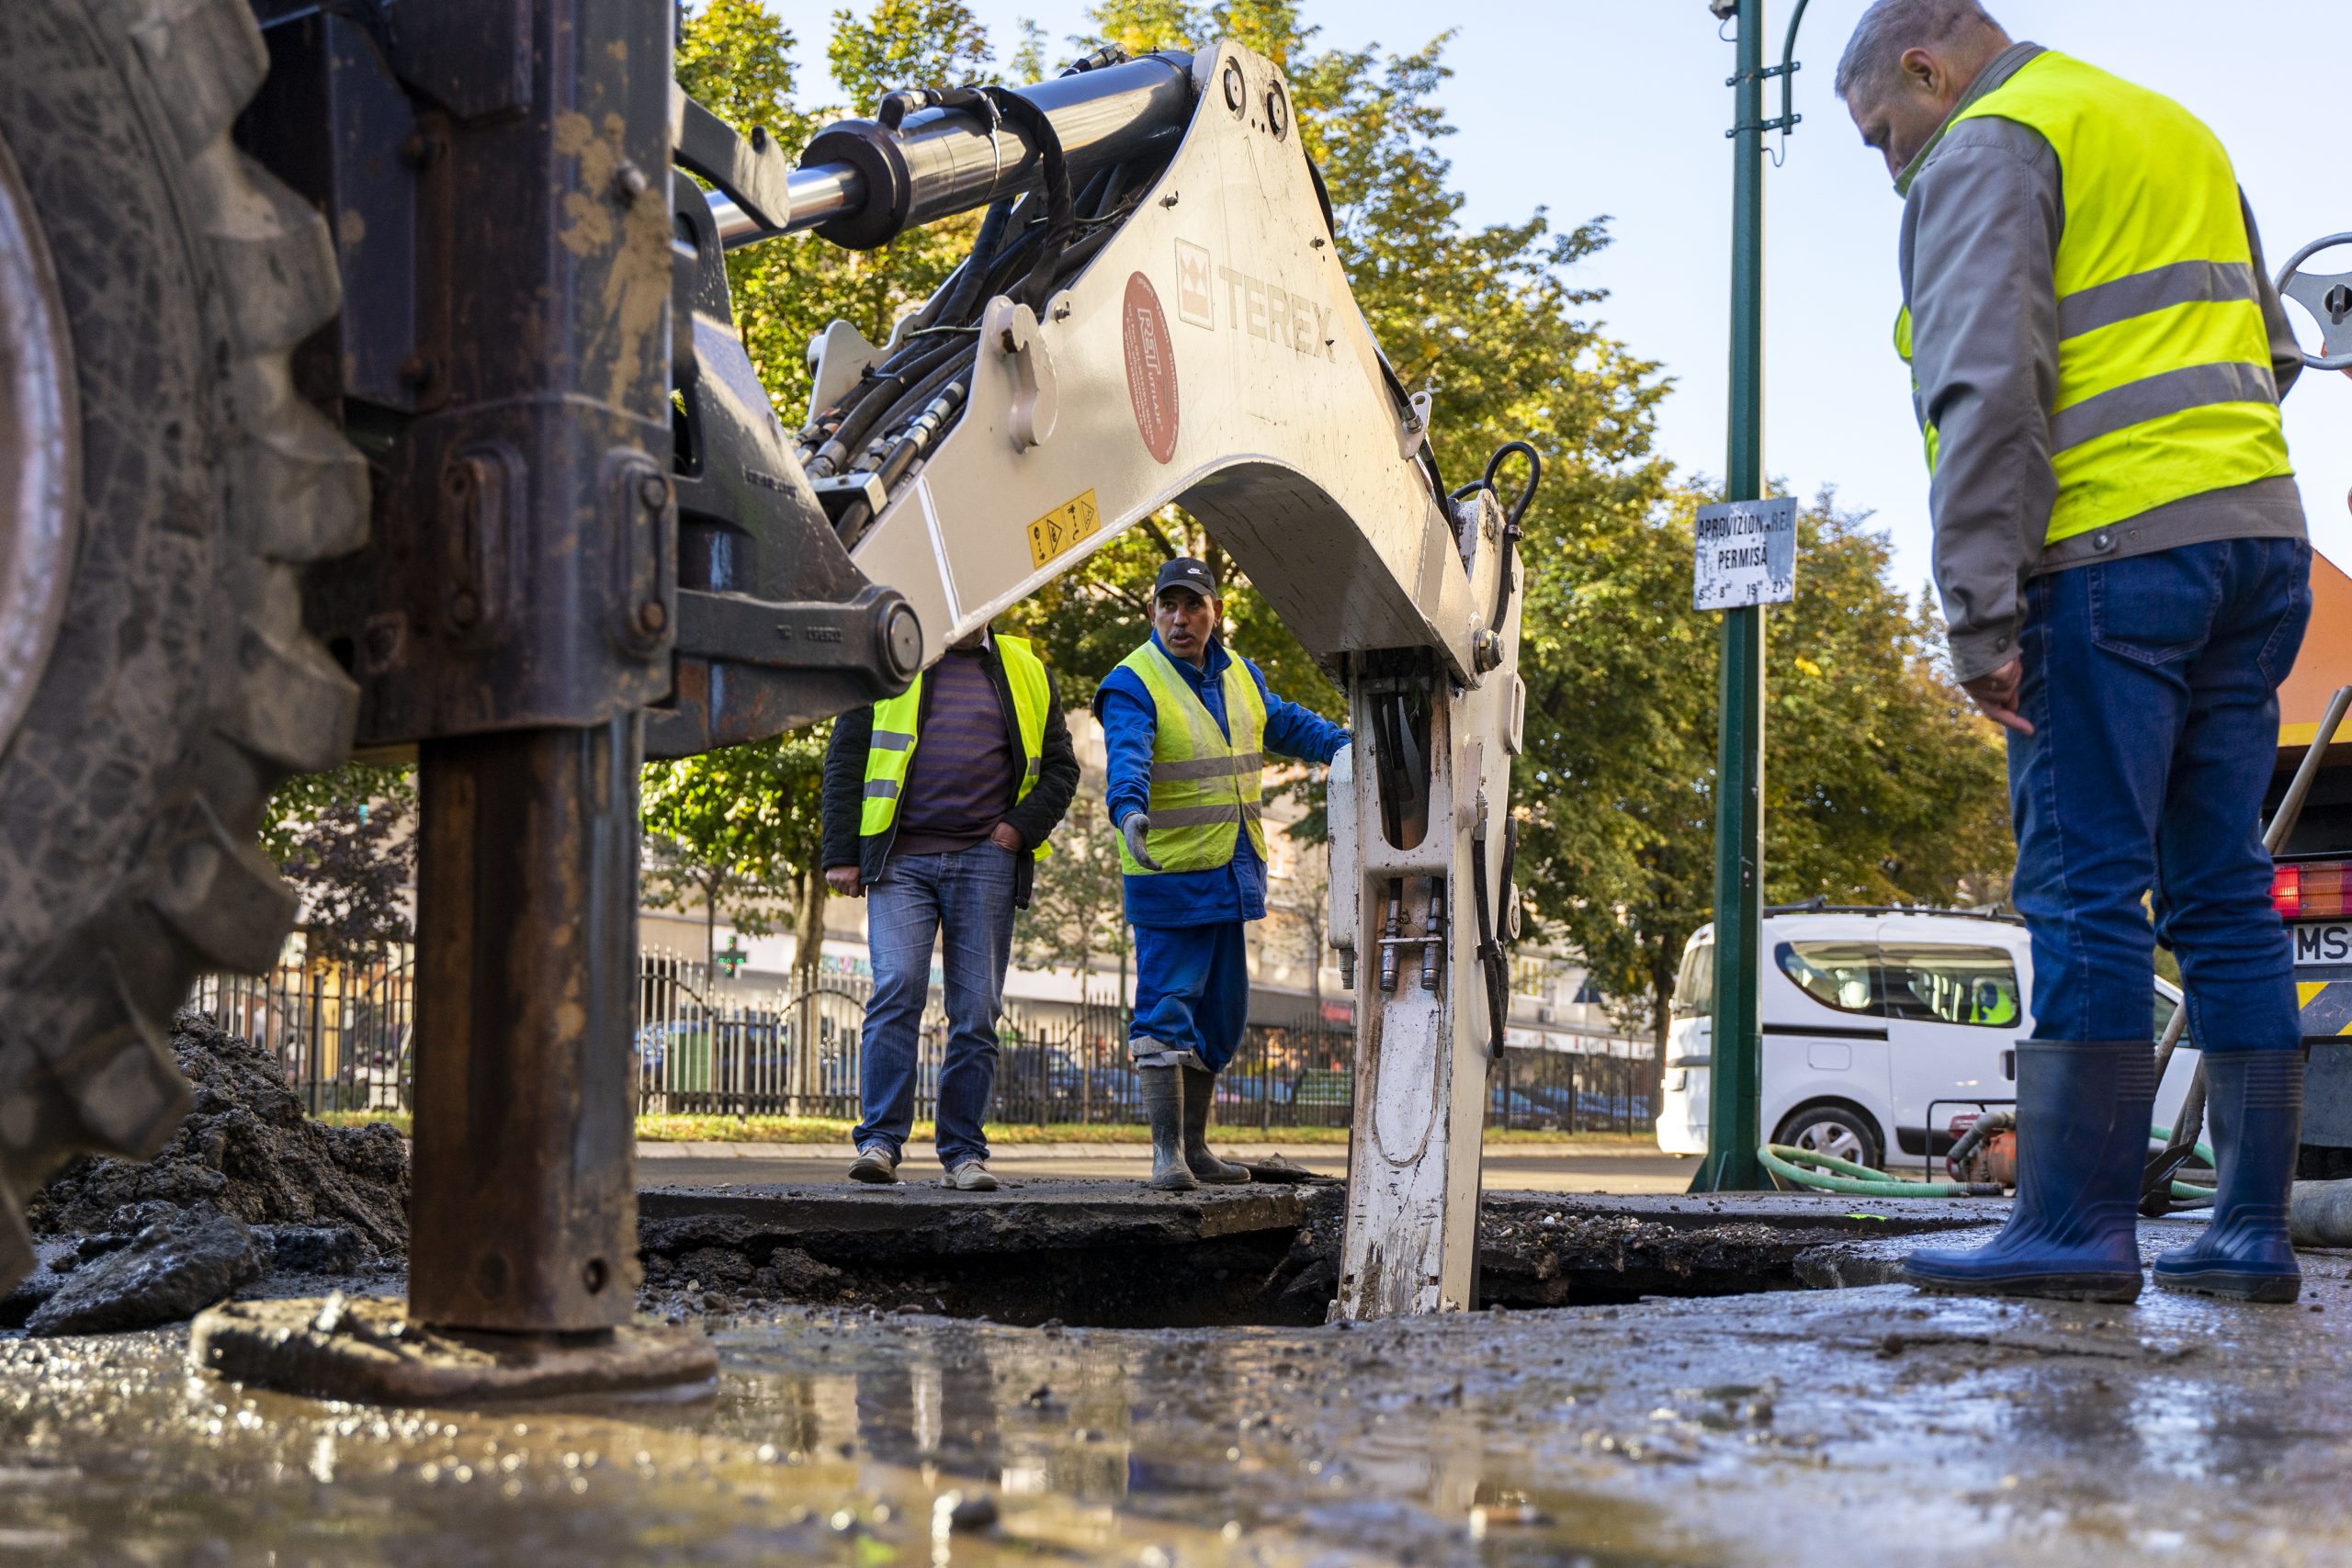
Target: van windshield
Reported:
point(1694, 988)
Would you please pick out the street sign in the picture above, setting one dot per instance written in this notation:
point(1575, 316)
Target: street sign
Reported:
point(1747, 554)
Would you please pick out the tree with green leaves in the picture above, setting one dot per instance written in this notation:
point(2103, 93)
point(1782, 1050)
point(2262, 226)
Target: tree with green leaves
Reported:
point(736, 831)
point(1881, 783)
point(736, 58)
point(346, 841)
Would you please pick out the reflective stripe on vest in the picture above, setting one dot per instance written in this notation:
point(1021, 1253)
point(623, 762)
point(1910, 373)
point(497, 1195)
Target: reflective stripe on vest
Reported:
point(2165, 386)
point(891, 751)
point(1205, 782)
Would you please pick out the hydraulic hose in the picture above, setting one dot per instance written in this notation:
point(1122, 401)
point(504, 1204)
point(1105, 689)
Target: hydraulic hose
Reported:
point(958, 301)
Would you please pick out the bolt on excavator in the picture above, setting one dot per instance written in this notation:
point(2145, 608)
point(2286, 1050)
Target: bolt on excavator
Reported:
point(372, 378)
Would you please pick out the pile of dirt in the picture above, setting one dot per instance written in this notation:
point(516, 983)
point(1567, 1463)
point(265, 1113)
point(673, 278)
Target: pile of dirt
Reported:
point(247, 1150)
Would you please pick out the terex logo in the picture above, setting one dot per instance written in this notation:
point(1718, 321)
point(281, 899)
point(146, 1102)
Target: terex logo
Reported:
point(1263, 309)
point(1195, 303)
point(1270, 311)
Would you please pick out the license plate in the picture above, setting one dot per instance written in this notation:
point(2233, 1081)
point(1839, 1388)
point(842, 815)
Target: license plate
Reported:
point(2322, 944)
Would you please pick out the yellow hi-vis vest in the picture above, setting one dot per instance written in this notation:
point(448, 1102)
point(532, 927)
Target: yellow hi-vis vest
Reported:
point(891, 752)
point(2164, 384)
point(1205, 782)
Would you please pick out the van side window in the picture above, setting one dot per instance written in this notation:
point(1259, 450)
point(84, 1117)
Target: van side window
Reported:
point(1695, 986)
point(1836, 974)
point(1937, 983)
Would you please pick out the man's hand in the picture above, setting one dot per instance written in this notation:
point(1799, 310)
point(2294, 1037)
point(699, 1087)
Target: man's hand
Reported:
point(843, 880)
point(1997, 695)
point(1132, 830)
point(1005, 836)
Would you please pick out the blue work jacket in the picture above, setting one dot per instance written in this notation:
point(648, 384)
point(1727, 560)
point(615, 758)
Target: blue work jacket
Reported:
point(1235, 890)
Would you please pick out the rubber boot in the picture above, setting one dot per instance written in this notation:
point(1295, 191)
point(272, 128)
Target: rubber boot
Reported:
point(1200, 1088)
point(2255, 1099)
point(1163, 1103)
point(2083, 1109)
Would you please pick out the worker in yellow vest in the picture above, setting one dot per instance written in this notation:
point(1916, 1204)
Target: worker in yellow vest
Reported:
point(2098, 357)
point(937, 804)
point(1186, 727)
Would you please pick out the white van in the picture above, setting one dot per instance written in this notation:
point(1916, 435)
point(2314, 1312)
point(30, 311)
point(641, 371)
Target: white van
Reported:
point(1879, 1026)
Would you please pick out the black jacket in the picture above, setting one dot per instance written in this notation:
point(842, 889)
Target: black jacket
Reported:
point(1033, 818)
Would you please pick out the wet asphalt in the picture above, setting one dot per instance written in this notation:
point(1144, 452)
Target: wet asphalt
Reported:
point(1791, 1427)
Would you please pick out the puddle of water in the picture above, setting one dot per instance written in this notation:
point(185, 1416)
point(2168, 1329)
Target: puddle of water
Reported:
point(1748, 1430)
point(826, 1440)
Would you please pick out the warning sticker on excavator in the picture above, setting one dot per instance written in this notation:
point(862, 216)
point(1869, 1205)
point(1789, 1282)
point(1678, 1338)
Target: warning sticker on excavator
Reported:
point(1065, 525)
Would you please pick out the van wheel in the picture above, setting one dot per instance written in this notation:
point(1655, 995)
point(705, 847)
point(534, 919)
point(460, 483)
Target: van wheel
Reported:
point(1840, 1130)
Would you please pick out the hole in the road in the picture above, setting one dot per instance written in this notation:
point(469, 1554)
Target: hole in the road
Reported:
point(1110, 1257)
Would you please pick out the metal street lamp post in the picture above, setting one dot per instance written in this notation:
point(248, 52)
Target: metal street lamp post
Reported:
point(1737, 1048)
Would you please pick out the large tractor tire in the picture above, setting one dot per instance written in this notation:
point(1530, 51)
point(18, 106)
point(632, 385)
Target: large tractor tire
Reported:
point(162, 486)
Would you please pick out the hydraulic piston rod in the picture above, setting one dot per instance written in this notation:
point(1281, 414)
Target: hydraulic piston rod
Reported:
point(818, 194)
point(863, 185)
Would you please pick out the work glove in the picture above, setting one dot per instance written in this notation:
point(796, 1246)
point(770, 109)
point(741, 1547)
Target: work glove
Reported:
point(1132, 830)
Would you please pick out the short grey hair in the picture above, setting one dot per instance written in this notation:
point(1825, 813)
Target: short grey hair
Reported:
point(1875, 52)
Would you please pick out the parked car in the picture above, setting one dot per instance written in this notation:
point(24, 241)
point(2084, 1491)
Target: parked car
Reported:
point(1879, 1026)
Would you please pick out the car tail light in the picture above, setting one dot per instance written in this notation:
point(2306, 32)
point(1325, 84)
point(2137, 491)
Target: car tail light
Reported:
point(2312, 890)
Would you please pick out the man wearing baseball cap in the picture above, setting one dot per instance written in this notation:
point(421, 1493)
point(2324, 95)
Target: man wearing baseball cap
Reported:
point(1186, 727)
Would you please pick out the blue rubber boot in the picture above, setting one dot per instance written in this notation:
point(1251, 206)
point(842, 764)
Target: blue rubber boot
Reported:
point(2257, 1101)
point(2083, 1109)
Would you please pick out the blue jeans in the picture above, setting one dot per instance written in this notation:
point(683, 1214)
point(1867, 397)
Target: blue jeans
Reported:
point(2152, 686)
point(969, 895)
point(1192, 996)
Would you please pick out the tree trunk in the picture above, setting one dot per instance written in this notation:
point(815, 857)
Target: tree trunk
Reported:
point(809, 893)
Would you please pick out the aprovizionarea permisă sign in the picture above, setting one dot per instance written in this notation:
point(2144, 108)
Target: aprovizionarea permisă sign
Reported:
point(1747, 554)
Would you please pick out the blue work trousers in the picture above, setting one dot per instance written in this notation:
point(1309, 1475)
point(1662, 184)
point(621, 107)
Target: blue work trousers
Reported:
point(1192, 996)
point(966, 898)
point(2152, 686)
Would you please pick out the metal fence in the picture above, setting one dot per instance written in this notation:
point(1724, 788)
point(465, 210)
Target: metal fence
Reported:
point(703, 1050)
point(344, 1032)
point(346, 1036)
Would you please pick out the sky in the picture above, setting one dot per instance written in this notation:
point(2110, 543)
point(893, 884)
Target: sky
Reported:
point(1619, 107)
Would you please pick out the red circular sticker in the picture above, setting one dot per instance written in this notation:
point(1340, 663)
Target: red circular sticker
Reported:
point(1151, 368)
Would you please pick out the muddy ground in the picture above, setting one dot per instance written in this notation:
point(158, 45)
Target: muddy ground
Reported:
point(248, 1190)
point(1792, 1427)
point(1104, 1254)
point(1084, 1373)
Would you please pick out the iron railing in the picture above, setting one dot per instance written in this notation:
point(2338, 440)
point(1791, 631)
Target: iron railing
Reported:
point(343, 1032)
point(345, 1035)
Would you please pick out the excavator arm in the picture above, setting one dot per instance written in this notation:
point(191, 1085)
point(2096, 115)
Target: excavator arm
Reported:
point(1154, 313)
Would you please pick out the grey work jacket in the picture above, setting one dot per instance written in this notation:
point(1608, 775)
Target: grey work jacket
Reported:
point(1984, 208)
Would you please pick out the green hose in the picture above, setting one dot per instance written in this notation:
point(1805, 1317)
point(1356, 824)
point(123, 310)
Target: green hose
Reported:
point(1827, 1173)
point(1834, 1175)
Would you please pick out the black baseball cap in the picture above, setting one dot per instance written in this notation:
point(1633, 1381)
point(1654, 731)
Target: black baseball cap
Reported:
point(1185, 573)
